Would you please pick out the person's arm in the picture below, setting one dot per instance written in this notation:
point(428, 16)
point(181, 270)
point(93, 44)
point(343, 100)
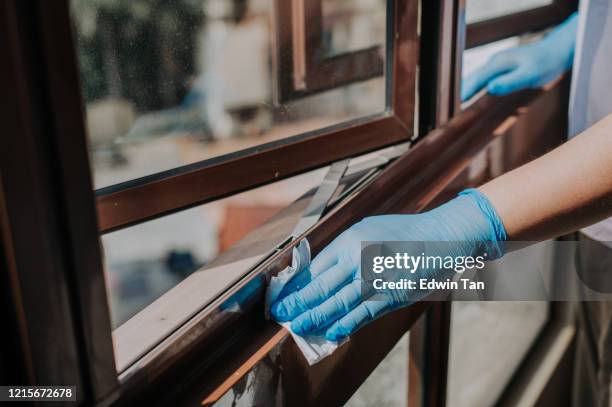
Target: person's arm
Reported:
point(526, 66)
point(562, 191)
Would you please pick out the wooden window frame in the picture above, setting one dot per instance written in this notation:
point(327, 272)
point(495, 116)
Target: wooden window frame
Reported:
point(160, 194)
point(50, 246)
point(302, 68)
point(499, 28)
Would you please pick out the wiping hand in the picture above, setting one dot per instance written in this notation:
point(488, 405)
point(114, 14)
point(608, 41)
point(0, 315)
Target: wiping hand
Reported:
point(526, 66)
point(328, 298)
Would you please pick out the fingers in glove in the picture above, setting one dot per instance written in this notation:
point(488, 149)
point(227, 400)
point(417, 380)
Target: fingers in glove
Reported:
point(484, 75)
point(364, 313)
point(323, 261)
point(316, 292)
point(329, 311)
point(512, 81)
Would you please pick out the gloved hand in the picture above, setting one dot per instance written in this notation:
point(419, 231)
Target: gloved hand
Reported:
point(327, 297)
point(526, 66)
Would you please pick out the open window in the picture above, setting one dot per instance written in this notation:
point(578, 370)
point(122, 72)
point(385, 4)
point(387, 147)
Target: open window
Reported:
point(170, 159)
point(213, 106)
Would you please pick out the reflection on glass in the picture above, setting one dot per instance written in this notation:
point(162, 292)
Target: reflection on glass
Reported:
point(480, 10)
point(488, 342)
point(352, 25)
point(144, 261)
point(489, 339)
point(172, 82)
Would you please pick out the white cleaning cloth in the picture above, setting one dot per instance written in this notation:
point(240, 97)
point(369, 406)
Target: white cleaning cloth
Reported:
point(313, 347)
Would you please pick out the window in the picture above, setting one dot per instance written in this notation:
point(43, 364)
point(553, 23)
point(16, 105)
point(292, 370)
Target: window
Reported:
point(479, 10)
point(199, 254)
point(481, 331)
point(388, 383)
point(146, 260)
point(161, 181)
point(489, 21)
point(161, 117)
point(166, 81)
point(181, 112)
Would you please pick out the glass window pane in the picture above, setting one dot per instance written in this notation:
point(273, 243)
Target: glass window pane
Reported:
point(144, 261)
point(352, 25)
point(489, 339)
point(480, 10)
point(387, 385)
point(168, 83)
point(488, 342)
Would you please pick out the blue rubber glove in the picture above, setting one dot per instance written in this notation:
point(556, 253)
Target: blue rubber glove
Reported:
point(327, 297)
point(526, 66)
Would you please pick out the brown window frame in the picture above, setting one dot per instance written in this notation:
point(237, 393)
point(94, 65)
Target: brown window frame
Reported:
point(166, 192)
point(54, 286)
point(302, 68)
point(499, 28)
